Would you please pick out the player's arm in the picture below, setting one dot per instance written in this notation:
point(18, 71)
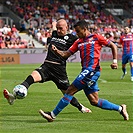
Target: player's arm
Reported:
point(64, 54)
point(119, 45)
point(113, 47)
point(54, 25)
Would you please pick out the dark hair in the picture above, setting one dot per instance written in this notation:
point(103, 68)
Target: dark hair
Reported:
point(108, 34)
point(82, 24)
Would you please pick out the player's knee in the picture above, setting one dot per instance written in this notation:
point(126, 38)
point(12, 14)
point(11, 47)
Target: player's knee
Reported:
point(71, 90)
point(36, 76)
point(94, 102)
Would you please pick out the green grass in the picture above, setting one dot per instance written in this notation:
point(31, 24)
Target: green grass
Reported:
point(23, 116)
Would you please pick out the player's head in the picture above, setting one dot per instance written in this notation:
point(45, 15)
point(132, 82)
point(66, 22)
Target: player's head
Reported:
point(61, 27)
point(126, 29)
point(81, 28)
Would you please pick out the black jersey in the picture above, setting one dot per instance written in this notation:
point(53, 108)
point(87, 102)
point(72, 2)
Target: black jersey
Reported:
point(62, 43)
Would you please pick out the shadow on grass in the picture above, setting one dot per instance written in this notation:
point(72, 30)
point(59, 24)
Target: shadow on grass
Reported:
point(65, 117)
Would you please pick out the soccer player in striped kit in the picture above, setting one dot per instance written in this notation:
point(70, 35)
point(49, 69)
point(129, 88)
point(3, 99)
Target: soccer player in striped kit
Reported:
point(126, 42)
point(89, 46)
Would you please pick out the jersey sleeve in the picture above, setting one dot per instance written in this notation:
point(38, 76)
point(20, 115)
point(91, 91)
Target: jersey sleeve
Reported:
point(74, 48)
point(102, 40)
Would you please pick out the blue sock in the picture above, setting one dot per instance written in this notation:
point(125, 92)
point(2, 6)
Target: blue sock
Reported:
point(104, 104)
point(131, 71)
point(124, 70)
point(62, 104)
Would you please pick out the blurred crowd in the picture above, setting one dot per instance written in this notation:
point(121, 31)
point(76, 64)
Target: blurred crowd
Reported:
point(10, 38)
point(41, 14)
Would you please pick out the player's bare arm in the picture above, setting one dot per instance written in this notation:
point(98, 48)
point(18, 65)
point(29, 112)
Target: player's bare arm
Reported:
point(119, 46)
point(64, 54)
point(113, 47)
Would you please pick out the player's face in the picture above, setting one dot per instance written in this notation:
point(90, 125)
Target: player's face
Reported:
point(126, 30)
point(80, 32)
point(61, 29)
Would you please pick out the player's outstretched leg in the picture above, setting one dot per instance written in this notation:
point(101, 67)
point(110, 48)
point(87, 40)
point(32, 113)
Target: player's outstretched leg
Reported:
point(10, 97)
point(50, 116)
point(105, 104)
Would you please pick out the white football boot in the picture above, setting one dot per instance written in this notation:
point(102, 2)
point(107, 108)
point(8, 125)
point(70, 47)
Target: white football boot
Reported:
point(9, 96)
point(46, 115)
point(85, 109)
point(124, 112)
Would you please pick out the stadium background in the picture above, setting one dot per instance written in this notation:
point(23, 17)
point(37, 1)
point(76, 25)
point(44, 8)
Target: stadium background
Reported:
point(33, 22)
point(23, 115)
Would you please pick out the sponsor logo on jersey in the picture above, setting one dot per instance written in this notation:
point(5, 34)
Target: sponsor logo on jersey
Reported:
point(86, 43)
point(66, 37)
point(58, 40)
point(127, 39)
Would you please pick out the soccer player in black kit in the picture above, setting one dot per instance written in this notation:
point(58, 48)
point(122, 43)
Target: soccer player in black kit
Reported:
point(54, 66)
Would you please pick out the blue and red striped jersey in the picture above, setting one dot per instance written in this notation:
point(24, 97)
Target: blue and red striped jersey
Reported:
point(90, 49)
point(127, 43)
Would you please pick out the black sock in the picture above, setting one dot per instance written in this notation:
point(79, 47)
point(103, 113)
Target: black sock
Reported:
point(29, 80)
point(75, 103)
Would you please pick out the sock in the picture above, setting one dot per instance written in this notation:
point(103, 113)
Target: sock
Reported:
point(104, 104)
point(62, 104)
point(29, 80)
point(75, 103)
point(131, 71)
point(124, 70)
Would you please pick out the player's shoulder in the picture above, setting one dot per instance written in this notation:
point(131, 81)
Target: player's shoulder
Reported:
point(72, 37)
point(94, 36)
point(99, 36)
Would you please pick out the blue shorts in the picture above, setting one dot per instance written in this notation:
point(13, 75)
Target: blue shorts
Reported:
point(87, 80)
point(126, 58)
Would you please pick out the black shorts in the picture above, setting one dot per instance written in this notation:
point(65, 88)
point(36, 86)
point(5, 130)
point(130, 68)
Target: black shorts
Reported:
point(54, 72)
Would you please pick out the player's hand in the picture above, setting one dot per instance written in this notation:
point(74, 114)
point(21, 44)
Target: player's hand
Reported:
point(114, 66)
point(54, 25)
point(54, 48)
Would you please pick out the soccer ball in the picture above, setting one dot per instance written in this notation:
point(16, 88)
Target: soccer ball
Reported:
point(20, 91)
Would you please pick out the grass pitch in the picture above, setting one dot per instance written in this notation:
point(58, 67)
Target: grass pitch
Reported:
point(23, 116)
